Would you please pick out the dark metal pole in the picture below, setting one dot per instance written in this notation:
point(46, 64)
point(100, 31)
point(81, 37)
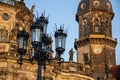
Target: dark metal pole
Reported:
point(39, 74)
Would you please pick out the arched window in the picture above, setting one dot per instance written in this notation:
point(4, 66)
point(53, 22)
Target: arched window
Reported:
point(86, 58)
point(85, 27)
point(1, 35)
point(4, 35)
point(96, 28)
point(107, 28)
point(96, 25)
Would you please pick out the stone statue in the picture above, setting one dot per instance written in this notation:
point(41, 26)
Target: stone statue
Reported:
point(71, 52)
point(32, 8)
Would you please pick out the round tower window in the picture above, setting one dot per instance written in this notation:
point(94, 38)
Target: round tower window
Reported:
point(108, 5)
point(83, 5)
point(5, 16)
point(85, 22)
point(96, 3)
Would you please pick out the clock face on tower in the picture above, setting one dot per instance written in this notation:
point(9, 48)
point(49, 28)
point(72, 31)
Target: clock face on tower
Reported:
point(97, 49)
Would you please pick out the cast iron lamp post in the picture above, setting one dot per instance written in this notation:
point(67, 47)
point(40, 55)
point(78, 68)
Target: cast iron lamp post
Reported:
point(40, 44)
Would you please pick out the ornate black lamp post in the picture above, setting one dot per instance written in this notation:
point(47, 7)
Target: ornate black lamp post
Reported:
point(40, 44)
point(60, 40)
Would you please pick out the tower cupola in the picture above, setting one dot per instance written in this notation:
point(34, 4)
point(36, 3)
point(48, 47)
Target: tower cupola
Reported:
point(95, 44)
point(87, 5)
point(94, 17)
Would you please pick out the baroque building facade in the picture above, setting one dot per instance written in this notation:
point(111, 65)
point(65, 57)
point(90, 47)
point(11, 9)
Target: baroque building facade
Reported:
point(95, 46)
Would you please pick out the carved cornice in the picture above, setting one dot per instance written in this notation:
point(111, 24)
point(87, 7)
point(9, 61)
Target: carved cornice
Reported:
point(90, 11)
point(96, 39)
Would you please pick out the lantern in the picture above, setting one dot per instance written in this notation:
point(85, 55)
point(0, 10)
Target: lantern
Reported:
point(22, 37)
point(60, 40)
point(36, 31)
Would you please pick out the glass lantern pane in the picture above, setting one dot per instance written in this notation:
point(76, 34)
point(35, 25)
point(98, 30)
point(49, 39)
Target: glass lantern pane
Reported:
point(45, 29)
point(25, 44)
point(63, 42)
point(56, 42)
point(21, 42)
point(59, 41)
point(36, 35)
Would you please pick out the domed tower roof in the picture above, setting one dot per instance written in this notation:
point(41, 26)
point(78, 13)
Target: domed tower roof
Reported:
point(86, 5)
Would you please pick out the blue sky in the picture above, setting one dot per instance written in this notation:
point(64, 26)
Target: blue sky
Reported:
point(63, 12)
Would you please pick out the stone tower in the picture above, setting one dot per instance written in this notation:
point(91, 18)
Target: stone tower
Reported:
point(96, 46)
